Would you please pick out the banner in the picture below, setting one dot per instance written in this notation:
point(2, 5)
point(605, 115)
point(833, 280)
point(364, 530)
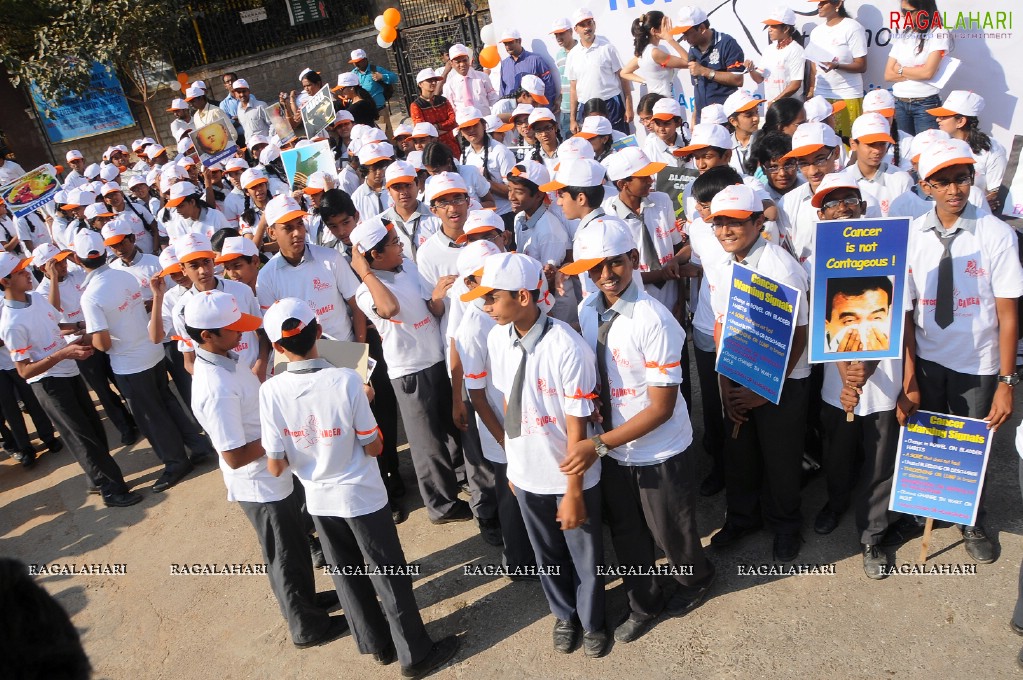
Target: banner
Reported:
point(859, 282)
point(939, 471)
point(756, 336)
point(102, 108)
point(30, 191)
point(281, 124)
point(213, 143)
point(303, 161)
point(318, 112)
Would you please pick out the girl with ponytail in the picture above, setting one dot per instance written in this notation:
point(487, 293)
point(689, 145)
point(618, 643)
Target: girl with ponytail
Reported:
point(656, 66)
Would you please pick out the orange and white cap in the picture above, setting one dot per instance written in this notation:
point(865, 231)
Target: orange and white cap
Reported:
point(458, 50)
point(91, 171)
point(810, 138)
point(534, 86)
point(194, 93)
point(73, 155)
point(110, 188)
point(281, 312)
point(631, 162)
point(315, 183)
point(179, 192)
point(95, 210)
point(215, 309)
point(706, 135)
point(594, 126)
point(780, 16)
point(369, 233)
point(425, 75)
point(154, 150)
point(169, 261)
point(507, 271)
point(398, 172)
point(443, 184)
point(252, 177)
point(415, 159)
point(480, 222)
point(531, 170)
point(235, 164)
point(46, 252)
point(607, 239)
point(403, 130)
point(509, 35)
point(136, 180)
point(688, 17)
point(193, 246)
point(870, 128)
point(879, 101)
point(580, 172)
point(357, 55)
point(540, 114)
point(495, 124)
point(521, 110)
point(240, 84)
point(574, 148)
point(467, 116)
point(820, 109)
point(737, 200)
point(109, 172)
point(667, 109)
point(88, 243)
point(281, 209)
point(580, 15)
point(420, 130)
point(740, 101)
point(12, 264)
point(959, 103)
point(178, 104)
point(115, 231)
point(235, 247)
point(941, 155)
point(924, 139)
point(375, 153)
point(832, 181)
point(347, 79)
point(471, 257)
point(713, 113)
point(561, 25)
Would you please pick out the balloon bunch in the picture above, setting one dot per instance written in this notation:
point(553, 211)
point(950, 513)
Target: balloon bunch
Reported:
point(387, 24)
point(489, 56)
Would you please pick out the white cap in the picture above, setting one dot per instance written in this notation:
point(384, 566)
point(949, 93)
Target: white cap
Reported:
point(258, 140)
point(283, 208)
point(924, 139)
point(959, 102)
point(215, 309)
point(424, 130)
point(110, 188)
point(479, 222)
point(425, 74)
point(81, 197)
point(91, 171)
point(879, 101)
point(73, 155)
point(240, 84)
point(281, 311)
point(631, 162)
point(116, 230)
point(581, 172)
point(471, 257)
point(531, 170)
point(193, 246)
point(832, 181)
point(468, 116)
point(269, 153)
point(399, 171)
point(575, 148)
point(87, 242)
point(739, 101)
point(442, 184)
point(705, 135)
point(607, 239)
point(372, 134)
point(138, 144)
point(136, 180)
point(810, 138)
point(561, 25)
point(940, 155)
point(234, 164)
point(507, 271)
point(667, 109)
point(235, 247)
point(315, 183)
point(737, 200)
point(154, 150)
point(369, 233)
point(870, 128)
point(199, 85)
point(194, 93)
point(96, 188)
point(540, 113)
point(535, 87)
point(509, 35)
point(403, 129)
point(46, 252)
point(495, 124)
point(343, 116)
point(415, 159)
point(594, 126)
point(347, 79)
point(521, 110)
point(357, 55)
point(252, 177)
point(169, 261)
point(94, 210)
point(580, 15)
point(304, 73)
point(374, 153)
point(179, 192)
point(688, 16)
point(780, 15)
point(153, 176)
point(12, 264)
point(178, 104)
point(820, 109)
point(458, 50)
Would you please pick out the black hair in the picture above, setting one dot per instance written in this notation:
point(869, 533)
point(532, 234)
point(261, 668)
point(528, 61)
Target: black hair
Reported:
point(363, 93)
point(275, 168)
point(486, 150)
point(93, 262)
point(524, 182)
point(765, 147)
point(781, 113)
point(710, 183)
point(302, 342)
point(594, 106)
point(977, 139)
point(234, 76)
point(313, 77)
point(381, 245)
point(39, 639)
point(896, 147)
point(842, 11)
point(536, 143)
point(221, 235)
point(646, 103)
point(641, 28)
point(196, 333)
point(335, 202)
point(594, 195)
point(794, 33)
point(851, 286)
point(437, 155)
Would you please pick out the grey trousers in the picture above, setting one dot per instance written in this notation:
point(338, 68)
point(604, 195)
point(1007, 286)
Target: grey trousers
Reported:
point(12, 388)
point(282, 538)
point(424, 398)
point(479, 472)
point(96, 372)
point(576, 593)
point(518, 552)
point(372, 540)
point(648, 505)
point(1017, 615)
point(68, 404)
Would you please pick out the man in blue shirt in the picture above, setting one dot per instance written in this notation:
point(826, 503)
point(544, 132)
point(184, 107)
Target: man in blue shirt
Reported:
point(372, 78)
point(520, 62)
point(715, 59)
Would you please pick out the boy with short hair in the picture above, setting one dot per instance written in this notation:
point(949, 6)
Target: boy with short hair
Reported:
point(871, 138)
point(119, 236)
point(240, 258)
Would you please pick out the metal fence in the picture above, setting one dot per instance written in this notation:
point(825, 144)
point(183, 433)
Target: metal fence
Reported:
point(421, 12)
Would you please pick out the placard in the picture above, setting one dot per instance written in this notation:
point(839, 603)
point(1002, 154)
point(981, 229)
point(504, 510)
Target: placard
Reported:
point(756, 337)
point(859, 276)
point(673, 181)
point(102, 108)
point(303, 161)
point(939, 471)
point(281, 124)
point(318, 112)
point(213, 143)
point(303, 11)
point(626, 141)
point(30, 191)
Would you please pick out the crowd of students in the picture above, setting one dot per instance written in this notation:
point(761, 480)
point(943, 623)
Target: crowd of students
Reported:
point(487, 253)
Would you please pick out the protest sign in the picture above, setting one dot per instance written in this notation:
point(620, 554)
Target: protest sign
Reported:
point(280, 123)
point(213, 143)
point(30, 191)
point(318, 112)
point(859, 282)
point(303, 161)
point(756, 336)
point(673, 181)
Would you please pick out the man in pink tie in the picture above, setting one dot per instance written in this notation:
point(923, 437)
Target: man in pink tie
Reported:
point(466, 87)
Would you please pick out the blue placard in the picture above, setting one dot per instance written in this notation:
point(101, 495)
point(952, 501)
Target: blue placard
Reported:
point(303, 161)
point(940, 468)
point(858, 287)
point(100, 109)
point(756, 336)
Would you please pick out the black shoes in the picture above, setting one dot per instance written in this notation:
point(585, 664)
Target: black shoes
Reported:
point(827, 521)
point(786, 547)
point(685, 600)
point(398, 514)
point(978, 545)
point(122, 500)
point(130, 436)
point(169, 479)
point(55, 445)
point(595, 644)
point(1018, 630)
point(26, 458)
point(316, 551)
point(202, 457)
point(460, 512)
point(386, 657)
point(327, 600)
point(338, 627)
point(905, 529)
point(730, 534)
point(712, 484)
point(633, 628)
point(490, 529)
point(439, 655)
point(875, 563)
point(566, 635)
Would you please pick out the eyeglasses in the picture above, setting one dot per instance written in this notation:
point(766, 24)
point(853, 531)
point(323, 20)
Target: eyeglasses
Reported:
point(850, 202)
point(820, 164)
point(733, 224)
point(543, 129)
point(944, 184)
point(451, 202)
point(789, 166)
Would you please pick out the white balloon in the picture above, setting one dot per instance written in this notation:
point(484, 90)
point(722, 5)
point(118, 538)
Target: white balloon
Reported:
point(175, 85)
point(488, 34)
point(383, 43)
point(379, 23)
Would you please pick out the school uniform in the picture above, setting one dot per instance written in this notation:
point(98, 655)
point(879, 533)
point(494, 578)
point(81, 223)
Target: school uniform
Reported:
point(172, 355)
point(656, 238)
point(247, 348)
point(581, 233)
point(32, 228)
point(658, 151)
point(13, 389)
point(595, 71)
point(499, 161)
point(141, 219)
point(915, 202)
point(553, 370)
point(370, 203)
point(414, 231)
point(887, 184)
point(318, 417)
point(143, 267)
point(210, 221)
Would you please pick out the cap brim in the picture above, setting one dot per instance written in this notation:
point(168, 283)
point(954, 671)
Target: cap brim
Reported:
point(874, 138)
point(221, 259)
point(62, 255)
point(70, 206)
point(664, 116)
point(288, 216)
point(652, 168)
point(746, 107)
point(838, 106)
point(507, 127)
point(21, 265)
point(469, 123)
point(585, 135)
point(173, 269)
point(396, 180)
point(175, 202)
point(687, 150)
point(464, 238)
point(885, 112)
point(540, 98)
point(261, 180)
point(553, 185)
point(679, 30)
point(581, 266)
point(772, 22)
point(312, 190)
point(114, 240)
point(197, 255)
point(448, 192)
point(818, 199)
point(737, 214)
point(475, 294)
point(246, 323)
point(942, 111)
point(801, 151)
point(949, 163)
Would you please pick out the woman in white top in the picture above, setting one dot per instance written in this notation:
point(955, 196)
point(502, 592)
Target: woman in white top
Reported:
point(844, 40)
point(657, 67)
point(914, 59)
point(958, 117)
point(782, 67)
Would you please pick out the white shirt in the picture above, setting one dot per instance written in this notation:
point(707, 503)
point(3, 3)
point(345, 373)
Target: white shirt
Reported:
point(370, 203)
point(904, 51)
point(348, 180)
point(234, 206)
point(210, 222)
point(225, 401)
point(708, 251)
point(32, 227)
point(888, 184)
point(913, 205)
point(559, 378)
point(480, 92)
point(644, 349)
point(30, 331)
point(178, 126)
point(143, 267)
point(138, 215)
point(71, 289)
point(10, 171)
point(985, 266)
point(500, 162)
point(658, 219)
point(436, 258)
point(544, 237)
point(595, 70)
point(411, 338)
point(113, 302)
point(170, 299)
point(990, 166)
point(658, 151)
point(323, 278)
point(247, 348)
point(846, 40)
point(780, 68)
point(413, 232)
point(471, 343)
point(658, 78)
point(320, 421)
point(477, 184)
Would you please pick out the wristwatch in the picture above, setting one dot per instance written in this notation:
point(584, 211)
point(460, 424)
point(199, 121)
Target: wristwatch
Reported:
point(599, 444)
point(1011, 380)
point(899, 72)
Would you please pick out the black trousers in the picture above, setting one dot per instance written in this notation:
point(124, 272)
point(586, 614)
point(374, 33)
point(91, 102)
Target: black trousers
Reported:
point(175, 365)
point(713, 416)
point(1017, 615)
point(97, 374)
point(12, 388)
point(764, 463)
point(518, 552)
point(385, 410)
point(69, 406)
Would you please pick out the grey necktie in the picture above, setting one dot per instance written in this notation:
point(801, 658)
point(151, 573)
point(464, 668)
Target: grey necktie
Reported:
point(605, 384)
point(513, 414)
point(944, 303)
point(649, 250)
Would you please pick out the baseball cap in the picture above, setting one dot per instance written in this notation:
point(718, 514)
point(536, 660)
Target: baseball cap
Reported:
point(531, 170)
point(193, 246)
point(509, 35)
point(608, 239)
point(136, 180)
point(12, 264)
point(713, 113)
point(115, 231)
point(779, 16)
point(305, 72)
point(258, 140)
point(343, 116)
point(415, 159)
point(740, 101)
point(534, 86)
point(153, 176)
point(375, 152)
point(178, 104)
point(73, 200)
point(283, 310)
point(942, 154)
point(471, 257)
point(495, 124)
point(110, 188)
point(269, 154)
point(169, 261)
point(283, 208)
point(594, 126)
point(252, 177)
point(688, 16)
point(580, 172)
point(403, 130)
point(235, 164)
point(667, 109)
point(369, 233)
point(235, 247)
point(240, 84)
point(561, 25)
point(399, 171)
point(539, 114)
point(424, 75)
point(347, 79)
point(194, 93)
point(95, 210)
point(924, 139)
point(879, 101)
point(73, 155)
point(737, 200)
point(818, 108)
point(479, 222)
point(521, 110)
point(959, 102)
point(153, 151)
point(91, 171)
point(573, 148)
point(468, 116)
point(357, 55)
point(631, 162)
point(315, 183)
point(870, 128)
point(444, 183)
point(179, 192)
point(832, 181)
point(580, 15)
point(458, 50)
point(215, 309)
point(420, 130)
point(810, 138)
point(507, 271)
point(706, 135)
point(88, 242)
point(45, 252)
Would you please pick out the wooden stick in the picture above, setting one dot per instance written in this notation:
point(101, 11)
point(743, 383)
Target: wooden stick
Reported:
point(850, 416)
point(735, 431)
point(926, 543)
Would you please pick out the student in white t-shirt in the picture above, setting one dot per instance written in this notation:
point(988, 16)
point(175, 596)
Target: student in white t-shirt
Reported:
point(316, 422)
point(546, 374)
point(915, 202)
point(489, 156)
point(413, 222)
point(669, 127)
point(764, 455)
point(372, 198)
point(870, 140)
point(782, 66)
point(119, 236)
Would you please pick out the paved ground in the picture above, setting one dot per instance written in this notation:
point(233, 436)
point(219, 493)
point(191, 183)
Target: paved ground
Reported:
point(148, 623)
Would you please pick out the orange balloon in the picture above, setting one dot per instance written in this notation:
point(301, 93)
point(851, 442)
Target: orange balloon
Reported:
point(392, 18)
point(490, 57)
point(389, 35)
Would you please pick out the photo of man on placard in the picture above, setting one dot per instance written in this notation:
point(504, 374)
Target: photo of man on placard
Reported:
point(858, 313)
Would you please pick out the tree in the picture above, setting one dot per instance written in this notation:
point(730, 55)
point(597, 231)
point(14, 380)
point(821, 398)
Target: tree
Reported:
point(129, 35)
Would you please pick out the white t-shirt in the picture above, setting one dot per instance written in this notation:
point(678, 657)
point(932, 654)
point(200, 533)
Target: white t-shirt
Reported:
point(846, 40)
point(370, 203)
point(559, 379)
point(143, 267)
point(210, 222)
point(544, 237)
point(500, 162)
point(595, 70)
point(436, 258)
point(780, 68)
point(985, 266)
point(170, 299)
point(143, 236)
point(113, 302)
point(71, 289)
point(32, 227)
point(471, 343)
point(247, 348)
point(990, 166)
point(323, 278)
point(888, 184)
point(225, 401)
point(708, 252)
point(658, 78)
point(658, 218)
point(414, 232)
point(904, 52)
point(320, 421)
point(10, 171)
point(476, 183)
point(30, 331)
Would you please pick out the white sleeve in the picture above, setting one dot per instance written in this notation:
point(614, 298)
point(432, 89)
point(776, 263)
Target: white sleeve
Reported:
point(95, 317)
point(273, 442)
